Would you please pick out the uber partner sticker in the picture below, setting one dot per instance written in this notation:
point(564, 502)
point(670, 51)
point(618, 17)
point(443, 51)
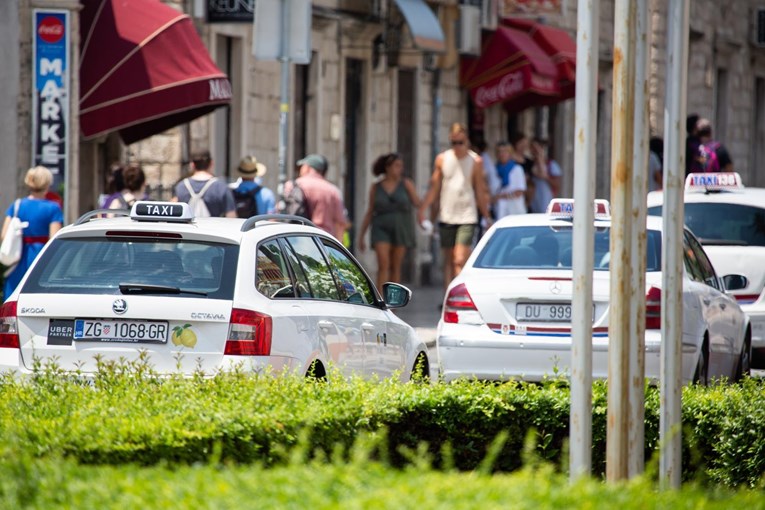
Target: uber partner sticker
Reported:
point(60, 332)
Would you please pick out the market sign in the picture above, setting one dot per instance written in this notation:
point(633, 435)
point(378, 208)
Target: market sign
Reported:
point(51, 89)
point(230, 11)
point(508, 8)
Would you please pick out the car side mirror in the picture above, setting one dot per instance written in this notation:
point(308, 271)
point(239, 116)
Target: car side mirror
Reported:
point(395, 295)
point(735, 281)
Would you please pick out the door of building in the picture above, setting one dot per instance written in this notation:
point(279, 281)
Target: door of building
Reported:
point(354, 74)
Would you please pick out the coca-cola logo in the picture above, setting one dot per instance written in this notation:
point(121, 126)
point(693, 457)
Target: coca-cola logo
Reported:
point(51, 29)
point(510, 85)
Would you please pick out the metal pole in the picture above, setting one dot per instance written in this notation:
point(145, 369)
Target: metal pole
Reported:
point(672, 254)
point(636, 445)
point(284, 104)
point(586, 112)
point(621, 220)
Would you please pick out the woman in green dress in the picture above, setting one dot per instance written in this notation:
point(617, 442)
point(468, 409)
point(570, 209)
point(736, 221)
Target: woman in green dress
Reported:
point(392, 200)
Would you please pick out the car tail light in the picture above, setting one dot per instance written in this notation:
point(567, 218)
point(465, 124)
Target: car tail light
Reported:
point(9, 326)
point(457, 300)
point(653, 308)
point(249, 334)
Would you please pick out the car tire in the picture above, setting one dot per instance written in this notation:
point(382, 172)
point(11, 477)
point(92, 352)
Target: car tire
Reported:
point(701, 376)
point(420, 369)
point(744, 368)
point(316, 371)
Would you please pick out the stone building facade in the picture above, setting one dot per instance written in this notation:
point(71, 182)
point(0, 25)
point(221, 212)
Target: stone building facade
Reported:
point(356, 100)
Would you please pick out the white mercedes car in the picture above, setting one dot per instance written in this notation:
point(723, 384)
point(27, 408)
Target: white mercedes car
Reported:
point(508, 313)
point(729, 220)
point(204, 294)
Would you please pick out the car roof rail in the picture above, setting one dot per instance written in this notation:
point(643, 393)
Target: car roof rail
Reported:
point(100, 213)
point(250, 223)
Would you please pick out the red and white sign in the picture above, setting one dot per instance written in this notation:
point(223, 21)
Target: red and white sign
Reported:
point(50, 29)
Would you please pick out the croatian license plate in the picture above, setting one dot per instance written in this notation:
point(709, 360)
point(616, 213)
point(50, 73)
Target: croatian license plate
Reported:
point(121, 331)
point(543, 312)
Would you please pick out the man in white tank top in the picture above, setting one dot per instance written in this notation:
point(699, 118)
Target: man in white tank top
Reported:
point(459, 183)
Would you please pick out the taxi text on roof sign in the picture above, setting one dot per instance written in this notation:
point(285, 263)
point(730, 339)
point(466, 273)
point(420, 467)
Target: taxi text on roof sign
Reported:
point(564, 208)
point(162, 211)
point(713, 181)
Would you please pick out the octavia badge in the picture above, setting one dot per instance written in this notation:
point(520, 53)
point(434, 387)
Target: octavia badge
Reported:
point(555, 287)
point(119, 306)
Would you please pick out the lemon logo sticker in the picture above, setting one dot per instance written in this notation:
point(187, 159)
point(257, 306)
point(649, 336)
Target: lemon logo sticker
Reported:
point(183, 335)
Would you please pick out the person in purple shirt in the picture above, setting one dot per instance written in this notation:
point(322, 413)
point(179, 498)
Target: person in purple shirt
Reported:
point(45, 218)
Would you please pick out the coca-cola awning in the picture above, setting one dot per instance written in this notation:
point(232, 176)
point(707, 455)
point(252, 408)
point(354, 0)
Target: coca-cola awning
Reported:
point(512, 69)
point(558, 45)
point(143, 69)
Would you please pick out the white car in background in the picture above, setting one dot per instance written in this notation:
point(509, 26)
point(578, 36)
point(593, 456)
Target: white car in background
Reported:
point(729, 221)
point(204, 294)
point(508, 313)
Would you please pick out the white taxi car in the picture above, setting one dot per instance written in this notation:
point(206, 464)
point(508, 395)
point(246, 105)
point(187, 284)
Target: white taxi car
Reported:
point(204, 294)
point(508, 313)
point(729, 220)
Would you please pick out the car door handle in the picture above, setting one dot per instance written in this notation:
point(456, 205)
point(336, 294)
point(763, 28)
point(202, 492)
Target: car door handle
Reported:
point(369, 328)
point(706, 301)
point(325, 324)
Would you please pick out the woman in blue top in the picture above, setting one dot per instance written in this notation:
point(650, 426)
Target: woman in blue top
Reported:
point(45, 218)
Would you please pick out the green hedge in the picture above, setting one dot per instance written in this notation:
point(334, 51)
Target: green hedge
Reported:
point(127, 418)
point(358, 484)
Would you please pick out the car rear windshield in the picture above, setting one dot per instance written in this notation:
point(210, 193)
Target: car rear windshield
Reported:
point(544, 247)
point(101, 265)
point(714, 223)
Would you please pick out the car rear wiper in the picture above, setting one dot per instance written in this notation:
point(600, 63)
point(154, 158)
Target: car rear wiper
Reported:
point(722, 242)
point(143, 288)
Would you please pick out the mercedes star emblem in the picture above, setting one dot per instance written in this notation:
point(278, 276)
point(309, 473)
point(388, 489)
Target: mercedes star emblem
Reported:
point(555, 287)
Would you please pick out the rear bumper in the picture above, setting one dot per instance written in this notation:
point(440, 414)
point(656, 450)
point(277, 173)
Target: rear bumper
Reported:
point(467, 351)
point(11, 362)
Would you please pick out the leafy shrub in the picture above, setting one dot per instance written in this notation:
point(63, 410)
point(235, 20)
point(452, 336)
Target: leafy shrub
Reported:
point(128, 415)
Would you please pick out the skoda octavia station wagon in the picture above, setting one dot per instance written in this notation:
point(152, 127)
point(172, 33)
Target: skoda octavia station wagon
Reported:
point(209, 294)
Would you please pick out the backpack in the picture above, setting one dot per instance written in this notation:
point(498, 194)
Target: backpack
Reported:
point(13, 243)
point(246, 202)
point(295, 202)
point(196, 201)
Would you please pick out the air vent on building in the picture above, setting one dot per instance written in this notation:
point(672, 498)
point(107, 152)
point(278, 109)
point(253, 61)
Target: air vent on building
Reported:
point(469, 37)
point(759, 27)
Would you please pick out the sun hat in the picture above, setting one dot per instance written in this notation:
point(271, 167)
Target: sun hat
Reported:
point(249, 168)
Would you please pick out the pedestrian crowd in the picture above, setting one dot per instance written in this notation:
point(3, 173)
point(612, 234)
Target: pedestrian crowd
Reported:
point(470, 188)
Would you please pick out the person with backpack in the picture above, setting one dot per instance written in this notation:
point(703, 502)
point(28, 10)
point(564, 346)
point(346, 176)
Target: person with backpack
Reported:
point(250, 196)
point(724, 163)
point(205, 193)
point(135, 183)
point(312, 196)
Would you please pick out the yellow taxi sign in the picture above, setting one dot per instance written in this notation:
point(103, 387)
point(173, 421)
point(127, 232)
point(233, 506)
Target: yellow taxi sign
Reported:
point(713, 181)
point(162, 211)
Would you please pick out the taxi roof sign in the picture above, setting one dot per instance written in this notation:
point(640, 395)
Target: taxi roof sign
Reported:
point(713, 181)
point(563, 208)
point(179, 212)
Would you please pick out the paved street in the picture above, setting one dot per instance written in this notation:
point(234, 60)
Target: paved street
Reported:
point(422, 312)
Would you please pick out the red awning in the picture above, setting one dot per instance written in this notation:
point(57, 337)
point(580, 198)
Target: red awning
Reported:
point(512, 69)
point(143, 69)
point(558, 45)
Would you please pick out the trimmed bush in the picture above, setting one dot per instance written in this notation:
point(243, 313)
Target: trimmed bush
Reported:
point(124, 417)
